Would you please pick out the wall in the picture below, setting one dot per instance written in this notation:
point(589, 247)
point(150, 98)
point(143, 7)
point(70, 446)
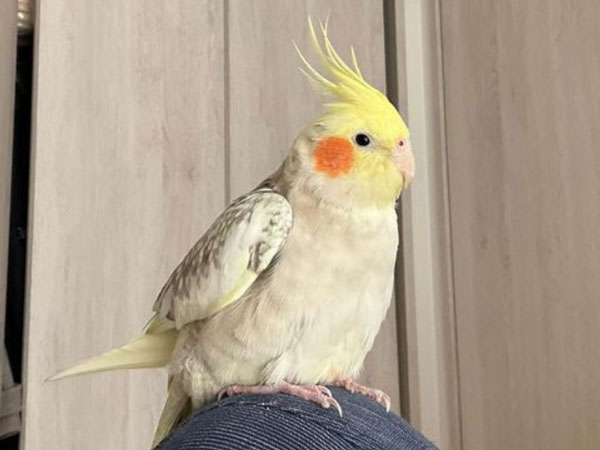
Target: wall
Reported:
point(522, 106)
point(149, 118)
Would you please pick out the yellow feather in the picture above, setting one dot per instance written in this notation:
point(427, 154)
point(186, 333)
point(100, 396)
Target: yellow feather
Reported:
point(354, 61)
point(356, 103)
point(148, 350)
point(155, 347)
point(311, 73)
point(335, 58)
point(238, 290)
point(158, 324)
point(177, 407)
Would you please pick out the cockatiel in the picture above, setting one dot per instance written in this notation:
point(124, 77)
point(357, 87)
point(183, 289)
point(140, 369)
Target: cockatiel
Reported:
point(287, 289)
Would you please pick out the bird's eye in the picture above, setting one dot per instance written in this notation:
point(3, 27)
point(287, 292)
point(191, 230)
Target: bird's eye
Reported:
point(362, 140)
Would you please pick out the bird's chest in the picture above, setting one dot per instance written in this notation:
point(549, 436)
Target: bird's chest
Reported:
point(334, 278)
point(335, 261)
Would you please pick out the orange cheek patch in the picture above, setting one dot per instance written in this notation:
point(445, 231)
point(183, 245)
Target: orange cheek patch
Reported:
point(334, 156)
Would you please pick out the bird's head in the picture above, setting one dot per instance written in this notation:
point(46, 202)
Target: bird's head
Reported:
point(359, 148)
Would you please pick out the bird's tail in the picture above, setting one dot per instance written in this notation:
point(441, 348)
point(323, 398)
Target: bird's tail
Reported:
point(177, 407)
point(152, 349)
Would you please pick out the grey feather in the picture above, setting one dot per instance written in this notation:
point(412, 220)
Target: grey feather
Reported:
point(247, 235)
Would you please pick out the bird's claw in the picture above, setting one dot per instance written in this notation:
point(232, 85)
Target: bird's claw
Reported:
point(324, 389)
point(314, 393)
point(375, 394)
point(326, 399)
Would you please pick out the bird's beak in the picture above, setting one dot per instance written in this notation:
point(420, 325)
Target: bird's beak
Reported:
point(404, 160)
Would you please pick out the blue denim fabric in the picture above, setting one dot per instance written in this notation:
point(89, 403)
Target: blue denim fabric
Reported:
point(283, 422)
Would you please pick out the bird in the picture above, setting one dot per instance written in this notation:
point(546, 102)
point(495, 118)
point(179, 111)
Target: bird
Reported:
point(287, 289)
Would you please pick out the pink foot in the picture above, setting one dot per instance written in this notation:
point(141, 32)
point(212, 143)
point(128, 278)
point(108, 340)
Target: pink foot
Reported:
point(379, 396)
point(312, 392)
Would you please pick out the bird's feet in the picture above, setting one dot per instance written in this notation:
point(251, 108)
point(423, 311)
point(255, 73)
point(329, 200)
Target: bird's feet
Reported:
point(350, 385)
point(314, 393)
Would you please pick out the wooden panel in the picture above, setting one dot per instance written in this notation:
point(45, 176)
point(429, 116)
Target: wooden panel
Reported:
point(522, 108)
point(431, 402)
point(10, 401)
point(128, 171)
point(8, 49)
point(271, 102)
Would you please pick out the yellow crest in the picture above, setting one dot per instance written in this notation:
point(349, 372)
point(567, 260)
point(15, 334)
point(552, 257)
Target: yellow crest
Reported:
point(355, 103)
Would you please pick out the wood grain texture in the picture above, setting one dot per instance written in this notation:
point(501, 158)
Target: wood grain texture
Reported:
point(428, 317)
point(522, 108)
point(8, 68)
point(271, 102)
point(127, 171)
point(11, 401)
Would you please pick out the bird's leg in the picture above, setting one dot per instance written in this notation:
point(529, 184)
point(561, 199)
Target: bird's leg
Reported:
point(314, 393)
point(350, 385)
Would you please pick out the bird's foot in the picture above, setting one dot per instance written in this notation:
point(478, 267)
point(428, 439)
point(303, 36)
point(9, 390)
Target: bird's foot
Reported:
point(314, 393)
point(350, 385)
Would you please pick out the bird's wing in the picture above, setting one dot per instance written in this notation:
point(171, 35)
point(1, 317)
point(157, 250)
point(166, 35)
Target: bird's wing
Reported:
point(224, 263)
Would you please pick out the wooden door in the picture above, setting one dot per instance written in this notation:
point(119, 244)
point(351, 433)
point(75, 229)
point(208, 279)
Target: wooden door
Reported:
point(522, 114)
point(149, 118)
point(128, 169)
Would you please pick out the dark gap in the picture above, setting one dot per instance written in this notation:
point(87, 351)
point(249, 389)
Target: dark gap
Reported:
point(391, 78)
point(19, 201)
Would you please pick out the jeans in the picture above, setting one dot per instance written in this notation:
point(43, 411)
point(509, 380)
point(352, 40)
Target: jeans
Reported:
point(283, 422)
